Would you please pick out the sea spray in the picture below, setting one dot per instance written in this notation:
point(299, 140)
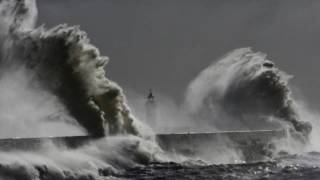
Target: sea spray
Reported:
point(244, 89)
point(100, 159)
point(27, 110)
point(66, 65)
point(54, 80)
point(71, 68)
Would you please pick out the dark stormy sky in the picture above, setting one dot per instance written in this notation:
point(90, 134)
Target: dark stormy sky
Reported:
point(164, 44)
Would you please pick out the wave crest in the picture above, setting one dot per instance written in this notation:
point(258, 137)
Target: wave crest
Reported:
point(245, 89)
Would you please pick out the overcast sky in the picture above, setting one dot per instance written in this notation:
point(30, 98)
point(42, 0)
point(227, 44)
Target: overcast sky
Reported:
point(164, 44)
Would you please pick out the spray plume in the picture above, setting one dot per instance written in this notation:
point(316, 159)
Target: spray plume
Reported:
point(52, 83)
point(244, 89)
point(65, 64)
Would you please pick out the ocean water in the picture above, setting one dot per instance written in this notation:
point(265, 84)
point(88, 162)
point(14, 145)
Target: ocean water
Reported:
point(290, 167)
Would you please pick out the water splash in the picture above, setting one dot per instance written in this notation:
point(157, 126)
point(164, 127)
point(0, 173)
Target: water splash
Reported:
point(245, 90)
point(53, 83)
point(66, 65)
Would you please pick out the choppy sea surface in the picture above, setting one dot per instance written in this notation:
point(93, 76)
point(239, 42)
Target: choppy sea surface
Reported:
point(290, 167)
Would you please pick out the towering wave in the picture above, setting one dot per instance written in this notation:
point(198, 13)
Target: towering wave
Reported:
point(64, 63)
point(53, 83)
point(245, 90)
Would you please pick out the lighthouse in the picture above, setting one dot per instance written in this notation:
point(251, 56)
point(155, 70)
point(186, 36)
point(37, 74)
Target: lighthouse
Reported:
point(151, 113)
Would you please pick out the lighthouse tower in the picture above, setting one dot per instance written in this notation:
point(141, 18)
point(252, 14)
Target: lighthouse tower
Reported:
point(151, 113)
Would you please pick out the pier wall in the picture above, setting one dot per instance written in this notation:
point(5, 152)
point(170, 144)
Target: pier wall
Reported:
point(253, 144)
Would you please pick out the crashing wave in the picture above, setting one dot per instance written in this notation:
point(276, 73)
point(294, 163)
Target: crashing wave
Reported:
point(64, 63)
point(245, 89)
point(55, 77)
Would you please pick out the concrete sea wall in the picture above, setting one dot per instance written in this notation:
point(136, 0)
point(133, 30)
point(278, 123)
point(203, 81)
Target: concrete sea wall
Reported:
point(253, 144)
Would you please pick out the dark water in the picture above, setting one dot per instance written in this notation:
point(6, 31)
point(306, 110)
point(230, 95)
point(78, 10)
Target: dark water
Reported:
point(304, 167)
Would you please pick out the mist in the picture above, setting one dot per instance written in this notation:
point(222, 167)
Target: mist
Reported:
point(37, 113)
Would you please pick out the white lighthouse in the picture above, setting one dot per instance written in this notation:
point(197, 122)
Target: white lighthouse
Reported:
point(151, 110)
